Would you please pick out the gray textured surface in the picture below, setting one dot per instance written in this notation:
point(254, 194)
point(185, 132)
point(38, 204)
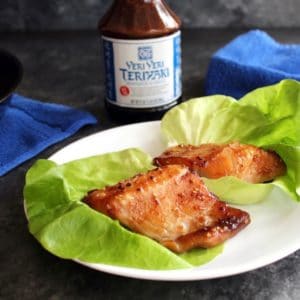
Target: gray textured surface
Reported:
point(66, 68)
point(73, 14)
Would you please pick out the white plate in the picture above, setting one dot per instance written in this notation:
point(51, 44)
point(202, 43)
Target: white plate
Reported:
point(272, 234)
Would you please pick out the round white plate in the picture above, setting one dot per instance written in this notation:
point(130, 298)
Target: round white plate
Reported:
point(272, 234)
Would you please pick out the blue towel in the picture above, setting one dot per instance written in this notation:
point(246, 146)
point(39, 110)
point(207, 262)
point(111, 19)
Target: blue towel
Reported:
point(250, 61)
point(28, 126)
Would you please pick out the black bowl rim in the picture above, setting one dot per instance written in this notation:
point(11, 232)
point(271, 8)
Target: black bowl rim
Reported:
point(19, 74)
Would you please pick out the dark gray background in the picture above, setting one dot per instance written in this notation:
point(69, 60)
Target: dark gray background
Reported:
point(39, 15)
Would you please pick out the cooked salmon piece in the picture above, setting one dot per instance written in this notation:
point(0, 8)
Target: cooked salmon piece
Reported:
point(246, 162)
point(171, 205)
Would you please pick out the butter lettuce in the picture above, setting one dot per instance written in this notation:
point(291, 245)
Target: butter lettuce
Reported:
point(268, 117)
point(68, 228)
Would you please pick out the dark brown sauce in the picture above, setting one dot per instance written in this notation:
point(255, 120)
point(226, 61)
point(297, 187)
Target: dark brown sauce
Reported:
point(138, 19)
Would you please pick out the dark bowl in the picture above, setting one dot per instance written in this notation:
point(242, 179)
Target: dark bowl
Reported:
point(11, 72)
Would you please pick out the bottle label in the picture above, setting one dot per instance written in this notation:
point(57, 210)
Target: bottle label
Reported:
point(143, 73)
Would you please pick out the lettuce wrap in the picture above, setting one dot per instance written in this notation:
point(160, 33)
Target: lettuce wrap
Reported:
point(68, 228)
point(268, 117)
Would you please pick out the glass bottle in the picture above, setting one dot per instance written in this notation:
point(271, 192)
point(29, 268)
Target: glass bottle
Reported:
point(142, 59)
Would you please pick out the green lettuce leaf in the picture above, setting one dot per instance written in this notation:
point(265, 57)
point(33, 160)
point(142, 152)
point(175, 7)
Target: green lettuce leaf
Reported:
point(68, 228)
point(268, 117)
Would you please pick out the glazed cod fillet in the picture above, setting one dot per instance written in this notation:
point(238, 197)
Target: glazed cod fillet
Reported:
point(172, 206)
point(245, 162)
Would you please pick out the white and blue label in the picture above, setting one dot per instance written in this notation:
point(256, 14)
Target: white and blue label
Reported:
point(143, 73)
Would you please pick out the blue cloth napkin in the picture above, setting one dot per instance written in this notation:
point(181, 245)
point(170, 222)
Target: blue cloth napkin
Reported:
point(28, 126)
point(250, 61)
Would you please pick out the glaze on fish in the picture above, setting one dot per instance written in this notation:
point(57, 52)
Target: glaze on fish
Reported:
point(246, 162)
point(171, 205)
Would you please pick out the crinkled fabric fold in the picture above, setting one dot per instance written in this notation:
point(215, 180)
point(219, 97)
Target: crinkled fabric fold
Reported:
point(251, 60)
point(28, 126)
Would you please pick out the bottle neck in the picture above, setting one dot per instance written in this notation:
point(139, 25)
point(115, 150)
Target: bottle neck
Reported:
point(134, 2)
point(138, 19)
